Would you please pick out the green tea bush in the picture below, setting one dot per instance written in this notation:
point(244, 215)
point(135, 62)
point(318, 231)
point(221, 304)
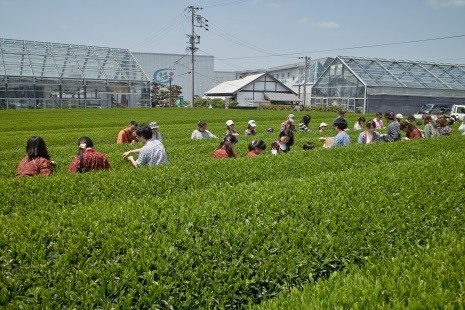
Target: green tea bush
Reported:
point(204, 233)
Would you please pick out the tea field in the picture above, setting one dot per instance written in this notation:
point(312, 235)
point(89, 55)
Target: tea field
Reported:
point(377, 226)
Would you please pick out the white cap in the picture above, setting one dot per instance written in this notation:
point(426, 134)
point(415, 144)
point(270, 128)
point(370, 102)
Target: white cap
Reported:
point(399, 115)
point(291, 117)
point(153, 125)
point(229, 122)
point(323, 125)
point(252, 123)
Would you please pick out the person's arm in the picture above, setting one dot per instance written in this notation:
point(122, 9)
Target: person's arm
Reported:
point(126, 154)
point(211, 135)
point(132, 161)
point(45, 167)
point(74, 165)
point(120, 138)
point(361, 137)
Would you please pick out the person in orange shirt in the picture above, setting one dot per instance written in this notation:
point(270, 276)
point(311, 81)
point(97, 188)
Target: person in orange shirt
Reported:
point(256, 147)
point(226, 148)
point(128, 134)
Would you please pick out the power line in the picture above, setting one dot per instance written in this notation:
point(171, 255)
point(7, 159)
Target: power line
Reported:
point(229, 37)
point(348, 48)
point(167, 28)
point(224, 3)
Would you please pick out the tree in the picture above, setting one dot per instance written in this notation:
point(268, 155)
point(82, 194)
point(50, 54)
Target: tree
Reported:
point(155, 94)
point(161, 94)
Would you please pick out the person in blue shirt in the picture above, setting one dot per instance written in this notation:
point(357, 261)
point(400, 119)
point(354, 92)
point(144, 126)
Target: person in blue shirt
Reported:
point(342, 138)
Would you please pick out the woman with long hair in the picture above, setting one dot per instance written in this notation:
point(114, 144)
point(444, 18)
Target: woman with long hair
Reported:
point(87, 158)
point(369, 135)
point(411, 132)
point(256, 147)
point(226, 148)
point(37, 160)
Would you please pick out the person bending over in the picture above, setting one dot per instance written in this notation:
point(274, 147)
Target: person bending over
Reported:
point(152, 152)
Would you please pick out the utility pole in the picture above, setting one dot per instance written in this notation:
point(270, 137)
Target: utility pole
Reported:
point(307, 61)
point(197, 21)
point(169, 102)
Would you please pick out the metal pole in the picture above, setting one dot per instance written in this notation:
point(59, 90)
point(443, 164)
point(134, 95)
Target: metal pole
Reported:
point(192, 41)
point(169, 102)
point(305, 81)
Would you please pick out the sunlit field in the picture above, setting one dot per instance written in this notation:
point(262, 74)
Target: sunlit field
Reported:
point(374, 226)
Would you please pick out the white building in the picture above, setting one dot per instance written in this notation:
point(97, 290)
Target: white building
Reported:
point(253, 90)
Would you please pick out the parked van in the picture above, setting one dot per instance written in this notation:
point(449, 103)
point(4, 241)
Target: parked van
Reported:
point(458, 111)
point(431, 108)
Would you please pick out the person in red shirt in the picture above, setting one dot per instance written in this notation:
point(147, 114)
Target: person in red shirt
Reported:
point(87, 158)
point(256, 147)
point(411, 132)
point(128, 134)
point(226, 148)
point(37, 161)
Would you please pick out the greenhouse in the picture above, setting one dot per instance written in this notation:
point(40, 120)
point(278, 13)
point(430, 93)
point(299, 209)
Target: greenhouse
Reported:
point(43, 75)
point(368, 85)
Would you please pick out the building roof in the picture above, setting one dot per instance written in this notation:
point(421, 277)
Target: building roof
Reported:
point(23, 58)
point(402, 73)
point(232, 87)
point(281, 97)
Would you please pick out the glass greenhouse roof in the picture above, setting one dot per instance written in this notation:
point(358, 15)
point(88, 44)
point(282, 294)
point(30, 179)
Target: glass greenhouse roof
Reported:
point(315, 69)
point(411, 74)
point(57, 60)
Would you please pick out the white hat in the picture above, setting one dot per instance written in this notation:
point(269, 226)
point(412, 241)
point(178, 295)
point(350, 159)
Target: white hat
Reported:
point(291, 117)
point(153, 125)
point(229, 122)
point(399, 115)
point(323, 125)
point(252, 123)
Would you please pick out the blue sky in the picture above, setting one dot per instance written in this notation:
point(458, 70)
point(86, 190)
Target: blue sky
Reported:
point(250, 34)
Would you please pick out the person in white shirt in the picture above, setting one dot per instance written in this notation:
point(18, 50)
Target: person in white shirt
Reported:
point(151, 154)
point(360, 124)
point(201, 132)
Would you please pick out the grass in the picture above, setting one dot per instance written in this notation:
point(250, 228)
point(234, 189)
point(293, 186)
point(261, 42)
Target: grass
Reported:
point(377, 226)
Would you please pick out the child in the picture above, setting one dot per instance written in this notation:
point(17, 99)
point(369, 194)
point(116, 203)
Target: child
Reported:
point(256, 147)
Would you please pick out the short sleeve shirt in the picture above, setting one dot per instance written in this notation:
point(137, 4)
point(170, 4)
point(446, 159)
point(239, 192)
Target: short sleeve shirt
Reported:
point(152, 153)
point(197, 134)
point(341, 139)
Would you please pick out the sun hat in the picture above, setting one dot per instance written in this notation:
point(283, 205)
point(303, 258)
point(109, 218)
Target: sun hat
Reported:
point(291, 117)
point(252, 123)
point(323, 125)
point(398, 115)
point(229, 122)
point(153, 125)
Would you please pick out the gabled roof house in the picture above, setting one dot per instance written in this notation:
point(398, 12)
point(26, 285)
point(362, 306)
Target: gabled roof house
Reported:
point(253, 90)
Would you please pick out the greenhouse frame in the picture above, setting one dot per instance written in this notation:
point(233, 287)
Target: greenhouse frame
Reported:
point(47, 75)
point(369, 85)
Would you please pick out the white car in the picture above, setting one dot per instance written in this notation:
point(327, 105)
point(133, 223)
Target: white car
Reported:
point(458, 111)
